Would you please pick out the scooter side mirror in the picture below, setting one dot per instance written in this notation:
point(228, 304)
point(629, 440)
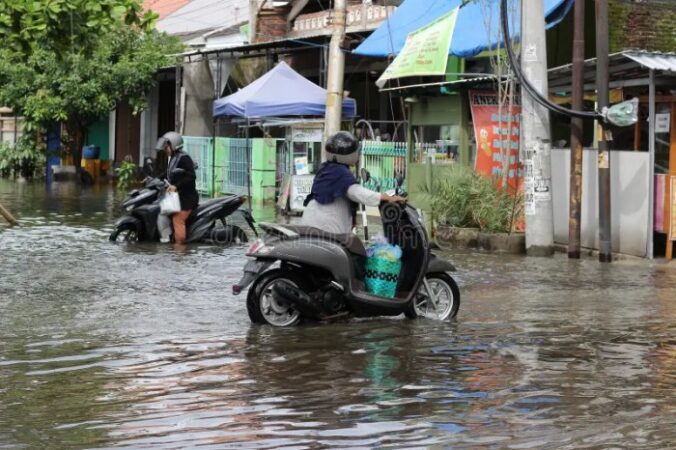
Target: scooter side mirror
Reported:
point(399, 177)
point(365, 175)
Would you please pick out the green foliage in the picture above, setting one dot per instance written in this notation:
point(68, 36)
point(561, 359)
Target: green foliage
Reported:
point(63, 26)
point(469, 200)
point(73, 60)
point(80, 89)
point(25, 159)
point(126, 174)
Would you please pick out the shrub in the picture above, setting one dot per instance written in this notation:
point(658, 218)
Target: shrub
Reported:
point(126, 174)
point(25, 159)
point(468, 200)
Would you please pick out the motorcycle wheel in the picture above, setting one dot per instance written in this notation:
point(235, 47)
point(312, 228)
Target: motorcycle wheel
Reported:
point(230, 234)
point(448, 295)
point(124, 233)
point(264, 309)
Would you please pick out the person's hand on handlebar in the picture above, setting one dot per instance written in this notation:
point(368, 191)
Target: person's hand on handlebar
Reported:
point(392, 198)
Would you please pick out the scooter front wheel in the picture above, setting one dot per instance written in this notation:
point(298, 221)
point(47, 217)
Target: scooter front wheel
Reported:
point(262, 305)
point(447, 296)
point(124, 233)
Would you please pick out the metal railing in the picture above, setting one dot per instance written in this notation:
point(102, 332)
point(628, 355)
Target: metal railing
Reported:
point(200, 150)
point(224, 169)
point(232, 166)
point(383, 160)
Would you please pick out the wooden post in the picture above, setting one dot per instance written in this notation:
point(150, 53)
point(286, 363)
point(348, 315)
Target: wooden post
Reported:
point(672, 176)
point(8, 217)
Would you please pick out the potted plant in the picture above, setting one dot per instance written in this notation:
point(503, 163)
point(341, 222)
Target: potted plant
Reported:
point(472, 211)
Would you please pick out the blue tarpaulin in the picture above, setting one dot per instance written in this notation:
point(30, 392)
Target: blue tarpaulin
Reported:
point(280, 92)
point(471, 35)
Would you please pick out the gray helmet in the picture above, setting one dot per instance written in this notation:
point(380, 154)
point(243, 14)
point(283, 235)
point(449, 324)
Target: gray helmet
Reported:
point(343, 148)
point(172, 138)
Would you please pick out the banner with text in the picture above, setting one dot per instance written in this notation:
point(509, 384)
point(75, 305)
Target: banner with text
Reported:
point(496, 137)
point(425, 52)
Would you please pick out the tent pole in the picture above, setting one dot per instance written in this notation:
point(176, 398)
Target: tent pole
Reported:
point(213, 158)
point(248, 163)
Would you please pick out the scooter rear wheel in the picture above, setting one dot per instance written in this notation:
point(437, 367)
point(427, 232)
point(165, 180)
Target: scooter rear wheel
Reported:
point(263, 308)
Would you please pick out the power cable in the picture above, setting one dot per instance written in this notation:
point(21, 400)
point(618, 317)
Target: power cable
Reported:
point(534, 93)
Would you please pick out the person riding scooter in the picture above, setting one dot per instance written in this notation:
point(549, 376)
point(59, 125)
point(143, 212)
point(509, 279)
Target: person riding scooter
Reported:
point(183, 183)
point(331, 205)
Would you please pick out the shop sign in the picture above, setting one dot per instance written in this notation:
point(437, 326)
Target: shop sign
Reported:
point(301, 185)
point(662, 122)
point(358, 18)
point(307, 134)
point(425, 52)
point(496, 139)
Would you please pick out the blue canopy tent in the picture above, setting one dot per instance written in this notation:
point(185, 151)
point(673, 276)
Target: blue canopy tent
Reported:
point(471, 35)
point(279, 93)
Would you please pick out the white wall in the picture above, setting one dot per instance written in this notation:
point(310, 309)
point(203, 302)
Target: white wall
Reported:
point(149, 124)
point(629, 178)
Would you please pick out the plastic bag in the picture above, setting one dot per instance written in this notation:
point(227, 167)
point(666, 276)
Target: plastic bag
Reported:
point(170, 203)
point(380, 248)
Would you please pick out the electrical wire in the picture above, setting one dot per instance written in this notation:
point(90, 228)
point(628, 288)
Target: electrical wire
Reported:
point(539, 98)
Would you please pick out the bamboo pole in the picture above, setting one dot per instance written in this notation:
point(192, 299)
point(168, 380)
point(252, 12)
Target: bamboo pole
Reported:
point(8, 217)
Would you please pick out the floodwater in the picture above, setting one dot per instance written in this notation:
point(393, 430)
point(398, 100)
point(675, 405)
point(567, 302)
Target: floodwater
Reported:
point(137, 346)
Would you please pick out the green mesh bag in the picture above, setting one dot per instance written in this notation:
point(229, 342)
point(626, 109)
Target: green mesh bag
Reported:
point(381, 276)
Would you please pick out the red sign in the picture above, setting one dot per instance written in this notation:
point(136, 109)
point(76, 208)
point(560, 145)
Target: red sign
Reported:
point(496, 137)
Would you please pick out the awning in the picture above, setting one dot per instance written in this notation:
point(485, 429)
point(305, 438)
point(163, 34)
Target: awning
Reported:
point(471, 35)
point(626, 69)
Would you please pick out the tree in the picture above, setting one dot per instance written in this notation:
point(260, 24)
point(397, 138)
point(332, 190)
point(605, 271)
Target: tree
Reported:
point(72, 60)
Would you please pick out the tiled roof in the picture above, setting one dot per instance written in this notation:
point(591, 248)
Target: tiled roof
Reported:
point(164, 7)
point(199, 15)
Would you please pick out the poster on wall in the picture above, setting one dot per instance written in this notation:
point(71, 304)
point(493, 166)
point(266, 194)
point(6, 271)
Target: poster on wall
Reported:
point(496, 137)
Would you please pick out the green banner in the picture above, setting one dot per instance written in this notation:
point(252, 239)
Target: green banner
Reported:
point(425, 52)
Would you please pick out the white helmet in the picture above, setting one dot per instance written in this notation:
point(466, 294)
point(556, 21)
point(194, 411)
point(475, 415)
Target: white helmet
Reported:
point(172, 138)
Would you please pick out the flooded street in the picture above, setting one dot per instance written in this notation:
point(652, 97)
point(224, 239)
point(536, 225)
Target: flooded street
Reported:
point(133, 346)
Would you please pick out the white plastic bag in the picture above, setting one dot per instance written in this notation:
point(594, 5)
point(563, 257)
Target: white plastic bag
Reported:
point(170, 203)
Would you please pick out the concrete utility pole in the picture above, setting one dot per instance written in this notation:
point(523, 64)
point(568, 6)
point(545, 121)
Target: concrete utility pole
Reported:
point(605, 241)
point(336, 69)
point(535, 137)
point(576, 134)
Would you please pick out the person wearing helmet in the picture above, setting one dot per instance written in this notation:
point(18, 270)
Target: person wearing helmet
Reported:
point(181, 181)
point(332, 203)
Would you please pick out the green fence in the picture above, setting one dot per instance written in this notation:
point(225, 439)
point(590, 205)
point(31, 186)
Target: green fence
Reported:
point(228, 167)
point(383, 160)
point(200, 150)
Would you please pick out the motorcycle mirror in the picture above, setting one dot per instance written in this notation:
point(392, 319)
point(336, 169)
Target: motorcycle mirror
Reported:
point(365, 175)
point(399, 177)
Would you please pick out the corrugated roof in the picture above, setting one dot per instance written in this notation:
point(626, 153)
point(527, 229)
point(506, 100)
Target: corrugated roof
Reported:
point(205, 15)
point(655, 61)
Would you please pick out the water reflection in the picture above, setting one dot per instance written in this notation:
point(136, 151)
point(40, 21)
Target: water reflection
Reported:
point(105, 345)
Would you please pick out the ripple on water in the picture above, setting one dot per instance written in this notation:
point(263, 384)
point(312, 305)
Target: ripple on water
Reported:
point(138, 346)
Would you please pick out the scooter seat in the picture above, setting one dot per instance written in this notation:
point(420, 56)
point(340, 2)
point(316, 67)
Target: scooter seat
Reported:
point(350, 241)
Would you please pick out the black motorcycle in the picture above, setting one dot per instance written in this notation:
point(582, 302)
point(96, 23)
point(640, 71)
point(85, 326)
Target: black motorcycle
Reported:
point(142, 207)
point(321, 275)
